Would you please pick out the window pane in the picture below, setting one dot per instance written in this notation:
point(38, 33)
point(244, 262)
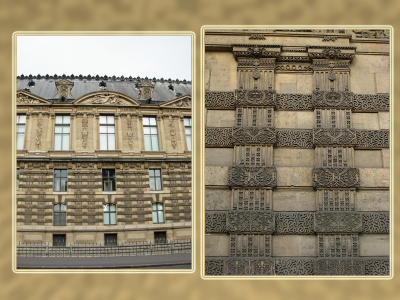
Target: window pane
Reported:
point(112, 207)
point(189, 142)
point(103, 142)
point(113, 218)
point(151, 172)
point(63, 208)
point(111, 142)
point(154, 142)
point(152, 121)
point(58, 129)
point(146, 130)
point(146, 121)
point(155, 217)
point(110, 119)
point(21, 128)
point(57, 173)
point(103, 119)
point(59, 119)
point(106, 207)
point(66, 119)
point(161, 216)
point(57, 142)
point(21, 119)
point(66, 129)
point(158, 184)
point(152, 184)
point(147, 143)
point(57, 184)
point(159, 206)
point(103, 129)
point(63, 187)
point(63, 173)
point(65, 142)
point(157, 172)
point(153, 130)
point(63, 218)
point(20, 142)
point(106, 219)
point(110, 129)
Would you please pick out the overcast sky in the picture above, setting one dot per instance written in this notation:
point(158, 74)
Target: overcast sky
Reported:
point(151, 56)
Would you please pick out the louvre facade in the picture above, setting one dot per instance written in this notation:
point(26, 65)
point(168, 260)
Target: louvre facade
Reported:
point(103, 159)
point(297, 152)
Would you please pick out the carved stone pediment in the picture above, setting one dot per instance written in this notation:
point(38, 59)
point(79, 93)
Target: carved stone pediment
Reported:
point(181, 102)
point(106, 98)
point(28, 98)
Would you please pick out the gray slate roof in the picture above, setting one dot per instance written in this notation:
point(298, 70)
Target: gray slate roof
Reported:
point(46, 88)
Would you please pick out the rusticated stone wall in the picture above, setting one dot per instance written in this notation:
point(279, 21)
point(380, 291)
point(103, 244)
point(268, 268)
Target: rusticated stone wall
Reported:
point(297, 154)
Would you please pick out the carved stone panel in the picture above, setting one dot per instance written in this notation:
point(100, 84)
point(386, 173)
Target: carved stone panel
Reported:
point(294, 266)
point(338, 245)
point(239, 176)
point(252, 266)
point(377, 266)
point(367, 102)
point(294, 102)
point(250, 245)
point(255, 97)
point(219, 99)
point(251, 199)
point(250, 222)
point(294, 223)
point(336, 200)
point(372, 138)
point(336, 178)
point(332, 99)
point(253, 135)
point(254, 155)
point(218, 137)
point(376, 222)
point(334, 157)
point(336, 266)
point(294, 138)
point(338, 222)
point(255, 116)
point(334, 136)
point(215, 222)
point(214, 266)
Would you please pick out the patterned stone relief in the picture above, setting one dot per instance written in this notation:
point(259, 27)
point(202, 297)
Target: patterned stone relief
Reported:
point(330, 64)
point(333, 118)
point(254, 116)
point(294, 138)
point(218, 137)
point(377, 266)
point(336, 200)
point(39, 130)
point(331, 80)
point(255, 77)
point(106, 99)
point(251, 199)
point(294, 266)
point(64, 88)
point(293, 67)
point(129, 132)
point(336, 178)
point(256, 51)
point(372, 34)
point(219, 99)
point(253, 135)
point(294, 102)
point(172, 132)
point(332, 99)
point(252, 177)
point(338, 245)
point(366, 102)
point(257, 37)
point(336, 266)
point(250, 245)
point(335, 222)
point(372, 138)
point(255, 97)
point(323, 52)
point(253, 156)
point(334, 136)
point(376, 222)
point(215, 222)
point(334, 157)
point(214, 266)
point(294, 223)
point(84, 131)
point(25, 99)
point(243, 266)
point(250, 221)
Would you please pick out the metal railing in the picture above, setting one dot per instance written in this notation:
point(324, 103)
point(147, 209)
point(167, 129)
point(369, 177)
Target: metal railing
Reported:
point(46, 249)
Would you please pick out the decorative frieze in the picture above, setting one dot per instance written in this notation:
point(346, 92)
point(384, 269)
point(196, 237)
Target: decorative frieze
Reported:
point(334, 136)
point(372, 34)
point(253, 135)
point(376, 222)
point(336, 178)
point(294, 102)
point(250, 222)
point(294, 266)
point(371, 103)
point(294, 223)
point(219, 137)
point(332, 99)
point(323, 52)
point(293, 138)
point(339, 266)
point(338, 222)
point(215, 222)
point(219, 99)
point(239, 176)
point(250, 245)
point(377, 266)
point(255, 97)
point(214, 266)
point(249, 266)
point(293, 67)
point(372, 138)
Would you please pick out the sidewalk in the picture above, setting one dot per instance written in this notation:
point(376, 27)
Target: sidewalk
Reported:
point(171, 261)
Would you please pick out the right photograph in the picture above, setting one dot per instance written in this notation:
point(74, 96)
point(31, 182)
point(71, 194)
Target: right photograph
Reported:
point(297, 157)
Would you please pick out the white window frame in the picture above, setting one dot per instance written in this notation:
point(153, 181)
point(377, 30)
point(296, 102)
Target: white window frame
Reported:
point(110, 211)
point(57, 182)
point(107, 132)
point(157, 209)
point(21, 126)
point(150, 132)
point(155, 179)
point(187, 121)
point(62, 132)
point(61, 211)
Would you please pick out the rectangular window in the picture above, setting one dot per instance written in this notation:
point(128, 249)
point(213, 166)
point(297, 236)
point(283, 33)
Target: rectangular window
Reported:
point(21, 120)
point(59, 240)
point(109, 180)
point(60, 215)
point(187, 121)
point(17, 178)
point(107, 133)
point(160, 237)
point(110, 239)
point(155, 179)
point(150, 134)
point(158, 213)
point(110, 214)
point(61, 133)
point(60, 180)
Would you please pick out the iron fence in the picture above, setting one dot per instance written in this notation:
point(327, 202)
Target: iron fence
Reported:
point(47, 249)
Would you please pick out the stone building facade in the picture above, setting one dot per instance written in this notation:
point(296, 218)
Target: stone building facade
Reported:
point(297, 152)
point(103, 159)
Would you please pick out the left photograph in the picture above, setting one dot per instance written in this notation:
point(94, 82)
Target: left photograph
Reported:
point(102, 151)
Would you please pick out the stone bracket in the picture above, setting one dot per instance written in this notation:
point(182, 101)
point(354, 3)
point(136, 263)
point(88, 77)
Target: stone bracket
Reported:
point(336, 178)
point(239, 176)
point(338, 222)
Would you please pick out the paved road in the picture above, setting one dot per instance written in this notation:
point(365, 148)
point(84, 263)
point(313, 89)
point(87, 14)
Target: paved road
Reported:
point(171, 261)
